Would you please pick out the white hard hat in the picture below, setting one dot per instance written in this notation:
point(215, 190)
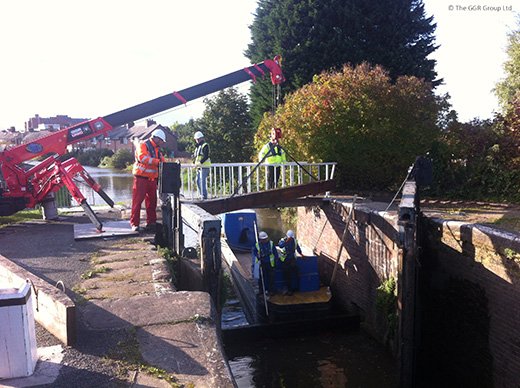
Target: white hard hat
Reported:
point(263, 235)
point(198, 135)
point(160, 134)
point(290, 233)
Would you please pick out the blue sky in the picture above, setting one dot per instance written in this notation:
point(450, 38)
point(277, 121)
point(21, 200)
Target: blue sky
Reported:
point(90, 59)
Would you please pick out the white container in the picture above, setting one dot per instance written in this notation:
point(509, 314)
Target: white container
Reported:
point(18, 350)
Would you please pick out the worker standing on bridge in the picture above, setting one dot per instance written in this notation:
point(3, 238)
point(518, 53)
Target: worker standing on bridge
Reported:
point(265, 252)
point(146, 174)
point(273, 153)
point(289, 246)
point(202, 163)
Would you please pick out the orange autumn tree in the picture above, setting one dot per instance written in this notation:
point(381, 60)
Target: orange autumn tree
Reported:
point(372, 127)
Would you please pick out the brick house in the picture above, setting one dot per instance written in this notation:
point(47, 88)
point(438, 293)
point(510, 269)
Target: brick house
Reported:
point(127, 136)
point(10, 137)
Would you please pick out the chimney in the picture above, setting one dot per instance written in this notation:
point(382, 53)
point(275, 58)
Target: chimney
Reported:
point(150, 122)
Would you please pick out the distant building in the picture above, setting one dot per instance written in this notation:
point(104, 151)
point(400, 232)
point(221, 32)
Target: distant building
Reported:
point(125, 136)
point(38, 123)
point(9, 138)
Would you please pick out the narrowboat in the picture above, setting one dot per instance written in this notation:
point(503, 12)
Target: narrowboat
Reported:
point(239, 229)
point(310, 300)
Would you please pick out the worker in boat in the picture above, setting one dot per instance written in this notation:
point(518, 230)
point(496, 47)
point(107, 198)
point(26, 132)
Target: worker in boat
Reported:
point(265, 251)
point(146, 174)
point(273, 154)
point(289, 246)
point(202, 163)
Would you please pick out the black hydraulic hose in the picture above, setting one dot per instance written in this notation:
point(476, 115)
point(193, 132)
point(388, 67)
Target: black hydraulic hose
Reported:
point(295, 161)
point(252, 172)
point(260, 162)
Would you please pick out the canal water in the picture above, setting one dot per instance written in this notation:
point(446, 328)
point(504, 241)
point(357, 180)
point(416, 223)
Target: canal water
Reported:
point(328, 359)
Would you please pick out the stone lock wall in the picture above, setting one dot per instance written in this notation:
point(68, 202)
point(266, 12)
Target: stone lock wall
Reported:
point(369, 257)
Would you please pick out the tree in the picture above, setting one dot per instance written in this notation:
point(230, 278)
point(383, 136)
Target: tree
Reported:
point(185, 132)
point(227, 127)
point(373, 128)
point(508, 88)
point(317, 35)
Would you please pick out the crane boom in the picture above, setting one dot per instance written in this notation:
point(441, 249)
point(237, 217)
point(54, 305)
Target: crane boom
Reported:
point(21, 188)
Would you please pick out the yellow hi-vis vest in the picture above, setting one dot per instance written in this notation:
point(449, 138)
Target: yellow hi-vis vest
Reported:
point(276, 154)
point(199, 154)
point(271, 256)
point(283, 254)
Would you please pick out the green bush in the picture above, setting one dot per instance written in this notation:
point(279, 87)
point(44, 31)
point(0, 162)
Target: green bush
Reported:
point(372, 127)
point(93, 157)
point(478, 160)
point(120, 160)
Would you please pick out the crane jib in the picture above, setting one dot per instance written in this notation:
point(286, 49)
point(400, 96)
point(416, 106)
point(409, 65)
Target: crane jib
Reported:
point(174, 99)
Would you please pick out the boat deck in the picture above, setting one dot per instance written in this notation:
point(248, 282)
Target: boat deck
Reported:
point(323, 295)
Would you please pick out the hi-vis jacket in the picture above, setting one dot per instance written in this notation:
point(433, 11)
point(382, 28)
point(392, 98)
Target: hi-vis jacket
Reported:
point(265, 252)
point(201, 154)
point(289, 247)
point(147, 158)
point(276, 154)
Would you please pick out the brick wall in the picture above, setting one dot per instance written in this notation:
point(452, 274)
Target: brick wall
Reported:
point(471, 311)
point(369, 256)
point(468, 315)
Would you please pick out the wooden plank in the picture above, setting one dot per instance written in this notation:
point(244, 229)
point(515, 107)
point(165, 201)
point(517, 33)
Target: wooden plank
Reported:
point(53, 309)
point(274, 197)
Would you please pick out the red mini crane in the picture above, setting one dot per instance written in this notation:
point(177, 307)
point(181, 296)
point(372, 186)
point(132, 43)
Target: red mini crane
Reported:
point(22, 188)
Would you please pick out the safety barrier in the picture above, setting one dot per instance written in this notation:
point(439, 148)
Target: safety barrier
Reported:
point(228, 179)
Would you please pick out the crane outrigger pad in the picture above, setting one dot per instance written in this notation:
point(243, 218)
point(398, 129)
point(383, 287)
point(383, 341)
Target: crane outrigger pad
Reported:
point(268, 198)
point(110, 229)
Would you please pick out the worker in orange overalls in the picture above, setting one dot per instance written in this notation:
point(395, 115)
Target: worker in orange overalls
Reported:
point(146, 174)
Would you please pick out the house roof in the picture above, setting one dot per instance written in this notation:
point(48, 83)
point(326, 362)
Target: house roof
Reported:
point(31, 136)
point(140, 132)
point(9, 136)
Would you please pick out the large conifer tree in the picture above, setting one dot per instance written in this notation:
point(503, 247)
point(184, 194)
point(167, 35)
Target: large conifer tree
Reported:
point(317, 35)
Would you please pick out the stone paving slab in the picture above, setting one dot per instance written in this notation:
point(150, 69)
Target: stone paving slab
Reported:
point(144, 310)
point(189, 350)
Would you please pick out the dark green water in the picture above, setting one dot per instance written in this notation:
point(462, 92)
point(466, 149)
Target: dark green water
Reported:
point(328, 359)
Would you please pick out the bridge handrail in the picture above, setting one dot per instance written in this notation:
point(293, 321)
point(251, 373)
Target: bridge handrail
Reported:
point(225, 178)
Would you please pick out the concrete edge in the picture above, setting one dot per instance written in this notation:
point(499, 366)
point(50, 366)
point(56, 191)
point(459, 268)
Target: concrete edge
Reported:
point(53, 309)
point(162, 277)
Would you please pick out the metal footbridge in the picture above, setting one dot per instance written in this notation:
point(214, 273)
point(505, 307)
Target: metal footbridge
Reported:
point(234, 186)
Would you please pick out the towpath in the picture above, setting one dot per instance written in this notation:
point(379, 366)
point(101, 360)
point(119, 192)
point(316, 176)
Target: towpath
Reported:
point(133, 328)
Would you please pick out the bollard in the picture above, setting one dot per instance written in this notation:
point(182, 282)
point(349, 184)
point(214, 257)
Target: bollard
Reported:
point(17, 335)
